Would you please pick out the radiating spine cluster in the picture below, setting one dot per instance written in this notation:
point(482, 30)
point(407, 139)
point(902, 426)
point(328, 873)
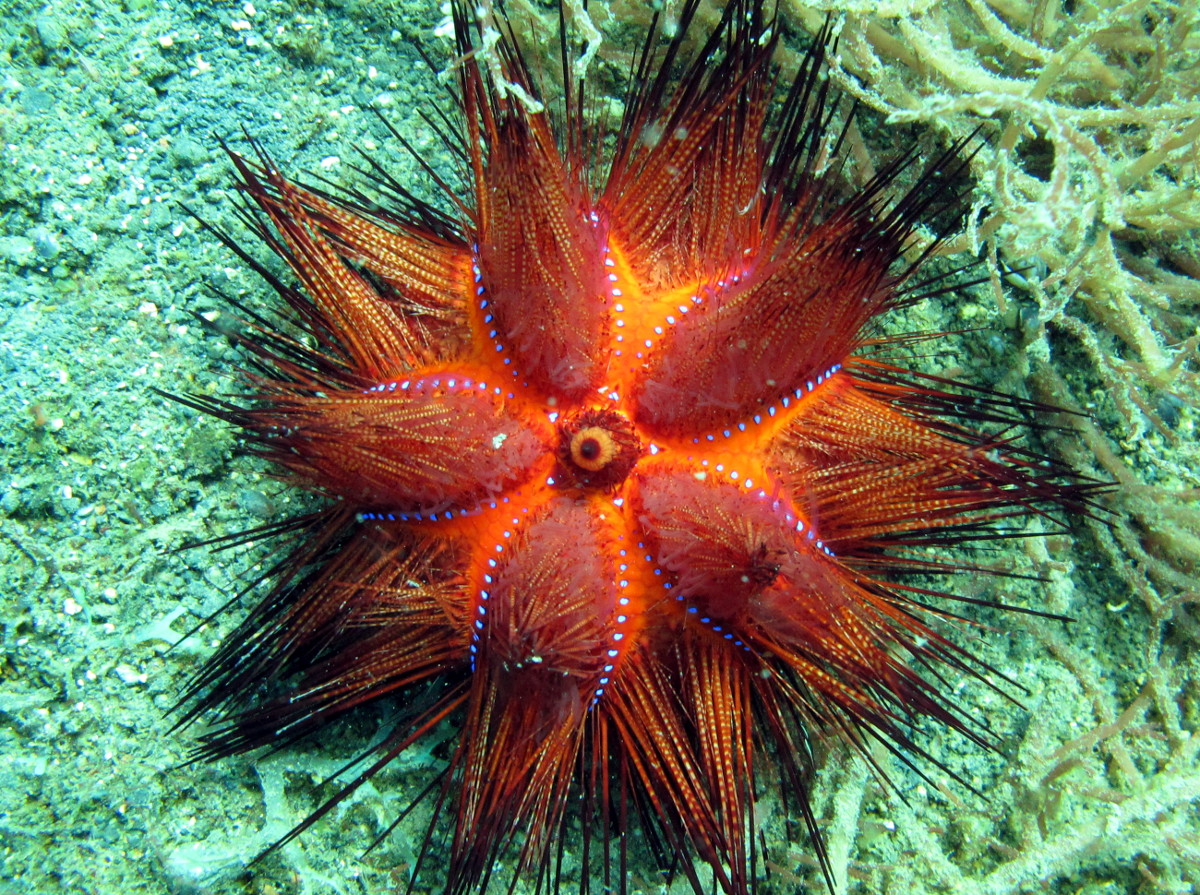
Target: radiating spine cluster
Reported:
point(611, 467)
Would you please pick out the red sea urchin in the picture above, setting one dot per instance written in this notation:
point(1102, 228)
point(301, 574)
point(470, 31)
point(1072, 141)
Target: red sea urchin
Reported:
point(611, 456)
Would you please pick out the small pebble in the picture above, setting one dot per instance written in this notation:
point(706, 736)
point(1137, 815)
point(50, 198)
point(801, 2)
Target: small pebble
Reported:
point(51, 32)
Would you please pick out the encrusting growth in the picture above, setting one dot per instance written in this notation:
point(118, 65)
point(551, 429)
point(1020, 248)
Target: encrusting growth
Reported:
point(613, 456)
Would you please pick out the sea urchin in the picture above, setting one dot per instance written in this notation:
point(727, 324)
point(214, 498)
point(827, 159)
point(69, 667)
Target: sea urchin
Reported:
point(610, 455)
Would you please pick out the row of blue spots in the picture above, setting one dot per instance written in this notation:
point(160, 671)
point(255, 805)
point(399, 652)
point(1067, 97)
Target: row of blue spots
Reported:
point(621, 617)
point(618, 636)
point(658, 330)
point(785, 402)
point(419, 385)
point(694, 612)
point(432, 515)
point(748, 483)
point(737, 478)
point(488, 317)
point(619, 308)
point(777, 505)
point(615, 292)
point(695, 299)
point(484, 594)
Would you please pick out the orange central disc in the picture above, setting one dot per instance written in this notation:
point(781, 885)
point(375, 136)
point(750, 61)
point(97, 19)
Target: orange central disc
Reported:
point(597, 448)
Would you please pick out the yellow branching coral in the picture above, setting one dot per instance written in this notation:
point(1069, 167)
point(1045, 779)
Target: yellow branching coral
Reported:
point(1089, 183)
point(1089, 188)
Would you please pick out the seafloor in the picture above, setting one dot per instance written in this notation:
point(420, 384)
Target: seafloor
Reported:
point(110, 113)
